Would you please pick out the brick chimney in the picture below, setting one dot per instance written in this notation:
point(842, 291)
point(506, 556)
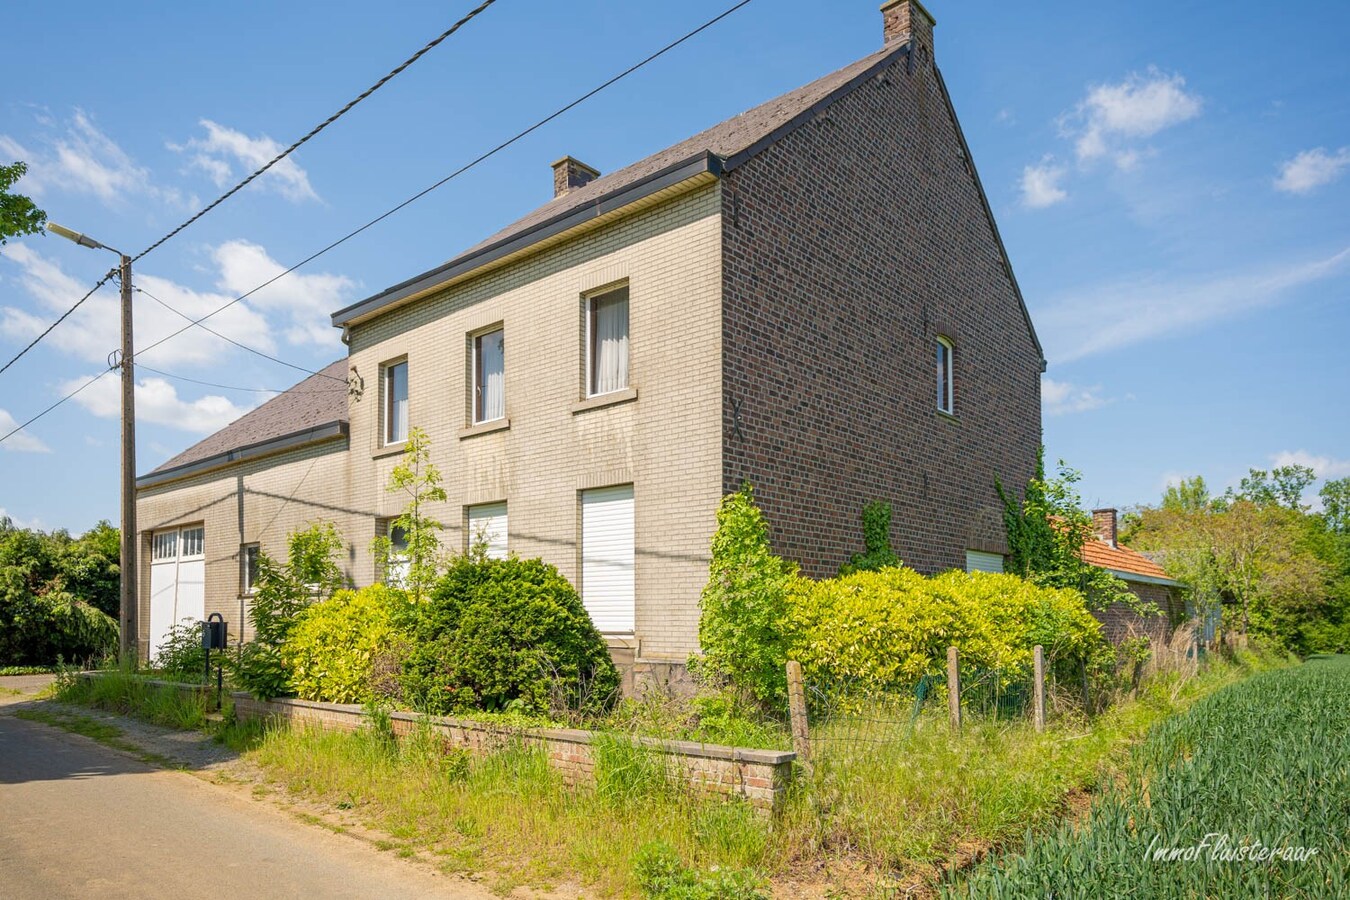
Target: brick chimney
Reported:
point(570, 174)
point(1104, 521)
point(907, 20)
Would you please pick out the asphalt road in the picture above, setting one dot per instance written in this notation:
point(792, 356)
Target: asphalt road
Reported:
point(78, 819)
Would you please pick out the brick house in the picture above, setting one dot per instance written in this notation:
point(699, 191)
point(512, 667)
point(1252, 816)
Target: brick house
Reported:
point(812, 296)
point(1145, 578)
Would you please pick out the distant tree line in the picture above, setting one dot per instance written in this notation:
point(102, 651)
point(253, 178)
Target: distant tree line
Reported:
point(1277, 569)
point(58, 594)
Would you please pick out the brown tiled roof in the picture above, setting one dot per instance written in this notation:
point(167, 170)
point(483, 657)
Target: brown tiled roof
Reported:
point(1122, 559)
point(318, 400)
point(731, 141)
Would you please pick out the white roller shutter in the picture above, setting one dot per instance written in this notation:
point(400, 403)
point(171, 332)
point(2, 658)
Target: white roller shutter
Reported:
point(489, 522)
point(607, 558)
point(977, 561)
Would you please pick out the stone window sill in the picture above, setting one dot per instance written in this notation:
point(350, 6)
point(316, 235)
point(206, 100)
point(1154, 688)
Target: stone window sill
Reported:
point(389, 450)
point(484, 428)
point(950, 417)
point(613, 398)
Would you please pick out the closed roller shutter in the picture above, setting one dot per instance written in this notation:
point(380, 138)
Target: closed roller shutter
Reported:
point(976, 561)
point(607, 558)
point(488, 523)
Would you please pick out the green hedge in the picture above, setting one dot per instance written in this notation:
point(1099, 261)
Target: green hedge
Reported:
point(335, 645)
point(506, 634)
point(893, 626)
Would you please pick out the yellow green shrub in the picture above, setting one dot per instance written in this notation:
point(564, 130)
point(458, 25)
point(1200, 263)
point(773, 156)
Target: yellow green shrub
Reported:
point(334, 644)
point(893, 626)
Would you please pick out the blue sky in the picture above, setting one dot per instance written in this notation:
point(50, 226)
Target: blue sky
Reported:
point(1172, 181)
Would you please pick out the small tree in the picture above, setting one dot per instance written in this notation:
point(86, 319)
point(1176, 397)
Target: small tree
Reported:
point(420, 480)
point(877, 554)
point(744, 604)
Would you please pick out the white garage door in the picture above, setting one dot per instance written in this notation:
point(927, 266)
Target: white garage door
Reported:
point(607, 558)
point(488, 523)
point(177, 581)
point(977, 561)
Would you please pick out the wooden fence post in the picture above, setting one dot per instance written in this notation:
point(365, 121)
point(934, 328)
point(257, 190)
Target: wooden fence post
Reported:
point(801, 734)
point(954, 688)
point(1038, 690)
point(1087, 693)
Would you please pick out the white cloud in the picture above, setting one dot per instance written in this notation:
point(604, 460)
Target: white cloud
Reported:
point(1061, 398)
point(223, 148)
point(92, 331)
point(20, 523)
point(304, 301)
point(1311, 169)
point(157, 402)
point(1324, 466)
point(20, 442)
point(78, 158)
point(1113, 116)
point(1108, 317)
point(1040, 185)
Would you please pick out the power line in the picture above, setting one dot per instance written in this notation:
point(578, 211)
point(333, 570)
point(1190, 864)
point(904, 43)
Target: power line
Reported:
point(502, 146)
point(322, 125)
point(140, 290)
point(461, 170)
point(56, 404)
point(101, 282)
point(230, 387)
point(272, 162)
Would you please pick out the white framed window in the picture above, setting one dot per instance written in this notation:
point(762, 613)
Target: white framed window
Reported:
point(165, 545)
point(487, 523)
point(607, 342)
point(399, 563)
point(396, 402)
point(489, 376)
point(193, 542)
point(248, 567)
point(945, 389)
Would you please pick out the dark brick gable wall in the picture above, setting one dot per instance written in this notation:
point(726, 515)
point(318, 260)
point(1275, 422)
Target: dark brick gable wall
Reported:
point(1120, 622)
point(848, 246)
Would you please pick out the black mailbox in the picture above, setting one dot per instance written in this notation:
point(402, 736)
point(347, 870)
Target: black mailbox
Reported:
point(214, 634)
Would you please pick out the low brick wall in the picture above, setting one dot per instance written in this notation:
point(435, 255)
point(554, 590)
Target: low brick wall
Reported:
point(759, 776)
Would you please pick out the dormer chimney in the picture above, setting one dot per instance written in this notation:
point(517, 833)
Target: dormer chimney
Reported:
point(1104, 521)
point(907, 20)
point(570, 174)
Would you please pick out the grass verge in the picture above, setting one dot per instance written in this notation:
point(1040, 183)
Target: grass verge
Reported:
point(103, 732)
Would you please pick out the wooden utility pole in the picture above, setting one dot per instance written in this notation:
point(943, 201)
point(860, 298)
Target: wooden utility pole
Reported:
point(129, 646)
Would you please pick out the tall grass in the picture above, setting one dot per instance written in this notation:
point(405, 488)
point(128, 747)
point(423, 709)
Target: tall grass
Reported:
point(510, 812)
point(121, 691)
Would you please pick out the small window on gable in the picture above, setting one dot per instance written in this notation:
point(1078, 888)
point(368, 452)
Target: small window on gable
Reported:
point(396, 402)
point(945, 388)
point(489, 377)
point(248, 567)
point(607, 342)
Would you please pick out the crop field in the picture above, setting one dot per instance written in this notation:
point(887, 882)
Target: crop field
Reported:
point(1247, 794)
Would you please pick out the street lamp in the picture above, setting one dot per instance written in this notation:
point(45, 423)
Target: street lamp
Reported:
point(127, 615)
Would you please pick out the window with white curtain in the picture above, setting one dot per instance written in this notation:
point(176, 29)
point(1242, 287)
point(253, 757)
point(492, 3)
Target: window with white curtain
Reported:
point(396, 403)
point(945, 389)
point(607, 328)
point(489, 377)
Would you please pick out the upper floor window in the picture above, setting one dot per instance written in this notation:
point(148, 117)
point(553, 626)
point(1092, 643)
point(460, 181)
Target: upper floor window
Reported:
point(945, 389)
point(607, 342)
point(396, 403)
point(489, 377)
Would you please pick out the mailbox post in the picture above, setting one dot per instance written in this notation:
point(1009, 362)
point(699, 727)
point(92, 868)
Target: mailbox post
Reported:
point(214, 637)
